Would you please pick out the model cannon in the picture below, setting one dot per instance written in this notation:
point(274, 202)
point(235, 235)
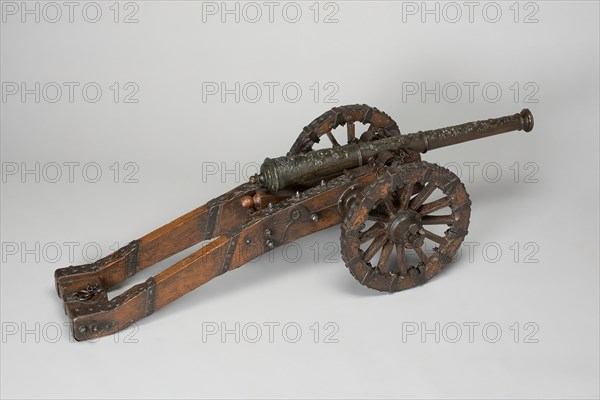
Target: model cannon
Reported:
point(402, 219)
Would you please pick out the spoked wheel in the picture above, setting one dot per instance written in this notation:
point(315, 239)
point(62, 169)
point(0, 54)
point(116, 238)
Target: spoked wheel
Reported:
point(404, 227)
point(379, 125)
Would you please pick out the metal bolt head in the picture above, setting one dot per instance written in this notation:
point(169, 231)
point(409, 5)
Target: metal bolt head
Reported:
point(247, 202)
point(270, 244)
point(314, 217)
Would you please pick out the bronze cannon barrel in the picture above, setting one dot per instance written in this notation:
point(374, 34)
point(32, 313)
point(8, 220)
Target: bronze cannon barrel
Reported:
point(283, 172)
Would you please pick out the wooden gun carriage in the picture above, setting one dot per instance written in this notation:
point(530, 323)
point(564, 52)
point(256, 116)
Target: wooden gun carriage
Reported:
point(391, 206)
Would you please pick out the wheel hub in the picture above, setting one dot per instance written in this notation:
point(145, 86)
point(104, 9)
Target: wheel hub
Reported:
point(404, 229)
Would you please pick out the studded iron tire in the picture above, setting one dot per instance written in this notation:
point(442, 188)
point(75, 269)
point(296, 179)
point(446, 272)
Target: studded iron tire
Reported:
point(380, 125)
point(396, 206)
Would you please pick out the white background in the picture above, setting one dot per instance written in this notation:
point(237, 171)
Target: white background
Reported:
point(369, 52)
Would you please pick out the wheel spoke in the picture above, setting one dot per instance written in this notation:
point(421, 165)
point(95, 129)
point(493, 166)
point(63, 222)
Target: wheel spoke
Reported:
point(422, 196)
point(432, 236)
point(385, 254)
point(438, 220)
point(390, 206)
point(375, 230)
point(421, 254)
point(405, 194)
point(434, 205)
point(401, 254)
point(375, 246)
point(332, 139)
point(351, 131)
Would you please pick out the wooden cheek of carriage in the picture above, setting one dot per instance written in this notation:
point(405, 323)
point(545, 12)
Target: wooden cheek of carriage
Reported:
point(390, 204)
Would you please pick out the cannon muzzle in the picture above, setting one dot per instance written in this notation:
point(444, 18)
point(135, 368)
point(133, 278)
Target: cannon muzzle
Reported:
point(284, 172)
point(437, 138)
